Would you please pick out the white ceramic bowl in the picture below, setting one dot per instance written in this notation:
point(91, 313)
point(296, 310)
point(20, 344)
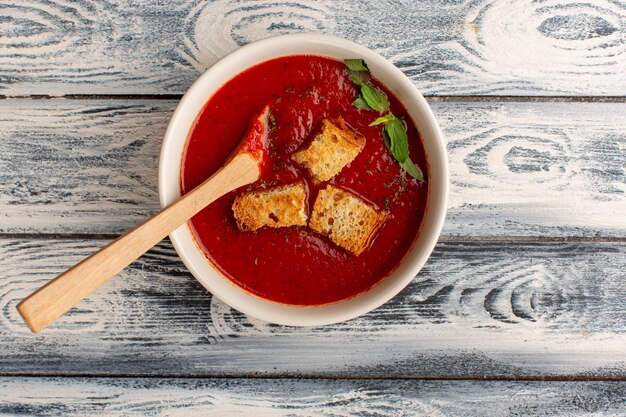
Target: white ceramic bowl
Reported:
point(305, 44)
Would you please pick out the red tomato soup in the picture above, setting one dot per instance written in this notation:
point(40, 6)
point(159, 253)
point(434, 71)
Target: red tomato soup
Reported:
point(295, 265)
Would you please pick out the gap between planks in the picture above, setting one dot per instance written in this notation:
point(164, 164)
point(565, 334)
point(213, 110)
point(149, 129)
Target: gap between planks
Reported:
point(432, 98)
point(560, 378)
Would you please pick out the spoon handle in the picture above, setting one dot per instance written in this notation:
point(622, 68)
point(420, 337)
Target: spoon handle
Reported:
point(51, 301)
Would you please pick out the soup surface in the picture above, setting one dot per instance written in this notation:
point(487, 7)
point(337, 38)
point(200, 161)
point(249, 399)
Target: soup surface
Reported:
point(295, 265)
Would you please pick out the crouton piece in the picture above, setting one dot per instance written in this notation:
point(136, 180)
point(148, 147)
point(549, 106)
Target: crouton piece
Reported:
point(349, 221)
point(281, 206)
point(332, 149)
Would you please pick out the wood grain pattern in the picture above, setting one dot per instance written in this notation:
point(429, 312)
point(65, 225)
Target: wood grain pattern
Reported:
point(480, 309)
point(517, 169)
point(475, 310)
point(280, 397)
point(111, 150)
point(491, 47)
point(55, 297)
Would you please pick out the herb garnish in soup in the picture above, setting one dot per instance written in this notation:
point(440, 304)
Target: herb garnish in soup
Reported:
point(340, 201)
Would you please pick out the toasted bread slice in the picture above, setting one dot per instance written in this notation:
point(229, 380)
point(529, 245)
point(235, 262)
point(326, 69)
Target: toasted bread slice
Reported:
point(281, 206)
point(332, 149)
point(349, 221)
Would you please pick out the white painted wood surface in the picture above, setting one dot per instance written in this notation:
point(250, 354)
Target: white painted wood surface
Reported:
point(477, 309)
point(90, 166)
point(487, 47)
point(528, 281)
point(56, 297)
point(296, 397)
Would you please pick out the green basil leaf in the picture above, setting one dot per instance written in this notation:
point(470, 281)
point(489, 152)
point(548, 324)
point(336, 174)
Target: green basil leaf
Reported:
point(383, 119)
point(356, 65)
point(394, 132)
point(359, 103)
point(412, 170)
point(386, 139)
point(356, 78)
point(375, 98)
point(398, 139)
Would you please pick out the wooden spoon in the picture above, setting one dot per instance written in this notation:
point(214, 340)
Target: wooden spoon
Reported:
point(51, 301)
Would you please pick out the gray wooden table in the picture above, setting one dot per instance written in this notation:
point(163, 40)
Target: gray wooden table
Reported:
point(521, 309)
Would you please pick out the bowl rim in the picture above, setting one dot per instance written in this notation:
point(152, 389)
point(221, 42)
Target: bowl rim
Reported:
point(224, 289)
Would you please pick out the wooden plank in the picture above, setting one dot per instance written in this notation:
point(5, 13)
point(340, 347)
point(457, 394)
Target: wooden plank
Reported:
point(476, 310)
point(296, 397)
point(517, 169)
point(83, 164)
point(488, 48)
